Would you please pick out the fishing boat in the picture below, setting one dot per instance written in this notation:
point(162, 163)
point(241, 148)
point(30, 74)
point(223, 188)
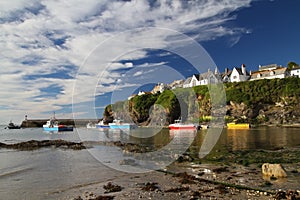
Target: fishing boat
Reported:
point(178, 125)
point(234, 125)
point(120, 124)
point(102, 125)
point(90, 125)
point(11, 125)
point(53, 125)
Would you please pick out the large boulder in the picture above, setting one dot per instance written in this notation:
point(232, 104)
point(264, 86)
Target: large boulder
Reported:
point(273, 170)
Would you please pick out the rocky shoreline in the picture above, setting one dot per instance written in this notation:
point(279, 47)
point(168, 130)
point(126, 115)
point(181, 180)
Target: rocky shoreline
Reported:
point(189, 182)
point(35, 144)
point(221, 175)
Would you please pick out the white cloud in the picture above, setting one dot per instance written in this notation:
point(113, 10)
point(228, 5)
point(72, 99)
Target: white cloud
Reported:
point(38, 37)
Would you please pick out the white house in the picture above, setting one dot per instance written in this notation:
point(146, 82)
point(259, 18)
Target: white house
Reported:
point(239, 74)
point(267, 67)
point(225, 76)
point(187, 83)
point(159, 87)
point(201, 79)
point(280, 72)
point(295, 71)
point(192, 81)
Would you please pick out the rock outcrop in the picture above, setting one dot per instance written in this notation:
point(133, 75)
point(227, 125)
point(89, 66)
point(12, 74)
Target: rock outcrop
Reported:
point(273, 170)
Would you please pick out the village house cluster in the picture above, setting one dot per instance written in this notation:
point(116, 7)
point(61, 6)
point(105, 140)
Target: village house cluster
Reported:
point(237, 74)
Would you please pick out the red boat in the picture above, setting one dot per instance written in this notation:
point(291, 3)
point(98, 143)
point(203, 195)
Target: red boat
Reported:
point(178, 125)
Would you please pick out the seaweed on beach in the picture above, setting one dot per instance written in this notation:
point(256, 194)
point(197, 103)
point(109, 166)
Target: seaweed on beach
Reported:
point(109, 187)
point(150, 186)
point(35, 144)
point(247, 157)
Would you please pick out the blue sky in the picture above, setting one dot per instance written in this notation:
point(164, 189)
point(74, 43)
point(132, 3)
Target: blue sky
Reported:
point(273, 36)
point(74, 57)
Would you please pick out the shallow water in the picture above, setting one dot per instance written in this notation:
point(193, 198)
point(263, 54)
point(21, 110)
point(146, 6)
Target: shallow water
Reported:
point(44, 173)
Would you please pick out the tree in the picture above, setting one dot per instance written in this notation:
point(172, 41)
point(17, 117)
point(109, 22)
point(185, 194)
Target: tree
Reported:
point(291, 64)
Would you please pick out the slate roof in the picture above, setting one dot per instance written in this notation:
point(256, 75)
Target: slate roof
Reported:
point(267, 73)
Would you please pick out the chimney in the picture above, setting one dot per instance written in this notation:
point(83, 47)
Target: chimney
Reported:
point(244, 69)
point(250, 72)
point(226, 70)
point(216, 71)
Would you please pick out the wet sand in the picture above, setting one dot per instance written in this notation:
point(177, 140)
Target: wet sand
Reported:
point(192, 181)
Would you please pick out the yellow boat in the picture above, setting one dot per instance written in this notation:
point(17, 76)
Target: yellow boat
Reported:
point(238, 126)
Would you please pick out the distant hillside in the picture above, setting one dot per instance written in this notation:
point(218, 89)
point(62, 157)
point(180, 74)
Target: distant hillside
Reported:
point(274, 101)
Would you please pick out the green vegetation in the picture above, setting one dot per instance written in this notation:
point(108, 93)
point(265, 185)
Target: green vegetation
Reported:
point(196, 103)
point(247, 157)
point(142, 104)
point(291, 64)
point(262, 91)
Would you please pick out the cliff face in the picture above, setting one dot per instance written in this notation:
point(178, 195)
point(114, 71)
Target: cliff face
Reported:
point(273, 101)
point(281, 112)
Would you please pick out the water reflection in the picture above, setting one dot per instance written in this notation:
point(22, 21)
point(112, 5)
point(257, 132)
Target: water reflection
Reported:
point(231, 139)
point(262, 138)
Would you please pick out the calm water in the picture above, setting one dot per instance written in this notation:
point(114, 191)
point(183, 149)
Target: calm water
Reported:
point(44, 173)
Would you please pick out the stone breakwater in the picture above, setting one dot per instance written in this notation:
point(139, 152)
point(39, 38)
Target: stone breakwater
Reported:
point(35, 123)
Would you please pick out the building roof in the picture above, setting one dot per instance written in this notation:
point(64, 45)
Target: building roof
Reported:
point(267, 67)
point(187, 81)
point(268, 73)
point(295, 68)
point(239, 70)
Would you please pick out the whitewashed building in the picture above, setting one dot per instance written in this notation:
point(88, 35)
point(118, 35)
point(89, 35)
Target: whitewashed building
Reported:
point(295, 71)
point(279, 72)
point(201, 79)
point(239, 74)
point(225, 76)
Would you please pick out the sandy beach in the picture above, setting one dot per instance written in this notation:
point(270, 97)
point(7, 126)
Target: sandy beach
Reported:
point(193, 181)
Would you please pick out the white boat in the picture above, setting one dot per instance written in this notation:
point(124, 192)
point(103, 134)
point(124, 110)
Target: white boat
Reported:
point(101, 125)
point(52, 125)
point(120, 124)
point(178, 125)
point(90, 125)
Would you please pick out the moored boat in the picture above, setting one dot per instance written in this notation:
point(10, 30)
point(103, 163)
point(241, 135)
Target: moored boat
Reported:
point(101, 125)
point(234, 125)
point(90, 125)
point(11, 125)
point(178, 125)
point(53, 125)
point(120, 124)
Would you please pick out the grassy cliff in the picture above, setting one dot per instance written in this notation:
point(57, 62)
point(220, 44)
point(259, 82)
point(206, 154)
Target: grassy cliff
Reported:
point(274, 101)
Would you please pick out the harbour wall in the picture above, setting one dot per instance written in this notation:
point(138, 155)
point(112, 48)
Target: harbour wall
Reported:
point(34, 123)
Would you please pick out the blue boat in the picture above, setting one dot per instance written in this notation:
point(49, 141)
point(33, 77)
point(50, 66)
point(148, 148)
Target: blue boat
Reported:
point(52, 125)
point(119, 124)
point(102, 125)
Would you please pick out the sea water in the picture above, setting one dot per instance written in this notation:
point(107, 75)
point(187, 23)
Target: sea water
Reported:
point(47, 173)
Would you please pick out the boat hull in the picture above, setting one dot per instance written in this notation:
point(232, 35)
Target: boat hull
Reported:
point(13, 127)
point(102, 126)
point(182, 127)
point(238, 126)
point(121, 126)
point(65, 128)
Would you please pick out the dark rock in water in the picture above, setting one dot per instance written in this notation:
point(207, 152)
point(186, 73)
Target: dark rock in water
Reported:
point(112, 188)
point(128, 162)
point(178, 189)
point(104, 197)
point(78, 198)
point(220, 170)
point(150, 187)
point(34, 144)
point(290, 194)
